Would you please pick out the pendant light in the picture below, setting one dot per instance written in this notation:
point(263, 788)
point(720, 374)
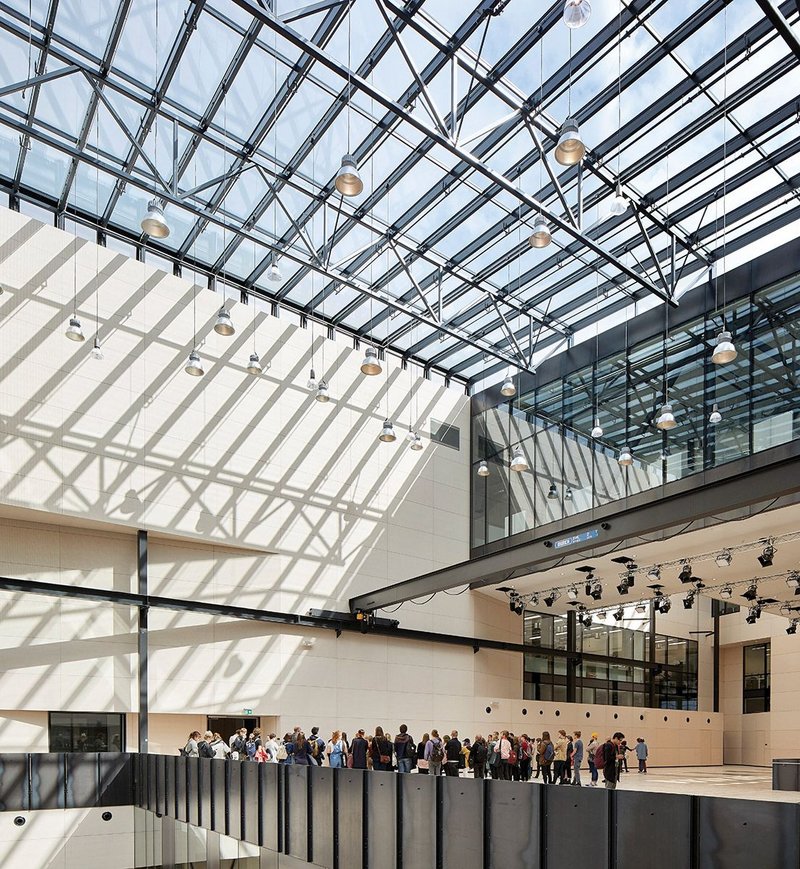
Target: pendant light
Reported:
point(97, 350)
point(552, 492)
point(387, 435)
point(716, 417)
point(625, 457)
point(576, 13)
point(666, 418)
point(570, 149)
point(154, 223)
point(619, 204)
point(724, 349)
point(410, 434)
point(483, 468)
point(274, 272)
point(312, 380)
point(518, 461)
point(541, 236)
point(348, 180)
point(508, 389)
point(224, 325)
point(74, 329)
point(371, 364)
point(568, 494)
point(417, 444)
point(597, 431)
point(194, 365)
point(254, 365)
point(322, 393)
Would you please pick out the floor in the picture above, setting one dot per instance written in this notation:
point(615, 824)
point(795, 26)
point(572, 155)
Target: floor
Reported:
point(741, 782)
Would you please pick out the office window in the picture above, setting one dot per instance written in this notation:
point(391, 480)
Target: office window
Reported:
point(756, 678)
point(87, 731)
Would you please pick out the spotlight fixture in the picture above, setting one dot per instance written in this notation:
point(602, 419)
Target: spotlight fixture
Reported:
point(568, 494)
point(619, 204)
point(348, 180)
point(619, 614)
point(417, 444)
point(793, 580)
point(387, 435)
point(274, 272)
point(654, 573)
point(587, 620)
point(154, 223)
point(518, 461)
point(576, 13)
point(193, 365)
point(519, 606)
point(622, 588)
point(716, 417)
point(551, 598)
point(371, 364)
point(625, 457)
point(686, 572)
point(254, 365)
point(765, 559)
point(753, 614)
point(597, 591)
point(666, 418)
point(640, 608)
point(666, 605)
point(483, 469)
point(570, 149)
point(688, 601)
point(508, 389)
point(97, 350)
point(74, 330)
point(311, 383)
point(751, 593)
point(321, 394)
point(552, 492)
point(724, 558)
point(630, 579)
point(597, 431)
point(726, 592)
point(792, 629)
point(601, 615)
point(541, 236)
point(572, 592)
point(224, 325)
point(724, 350)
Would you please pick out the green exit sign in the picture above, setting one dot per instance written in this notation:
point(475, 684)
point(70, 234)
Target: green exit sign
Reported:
point(247, 711)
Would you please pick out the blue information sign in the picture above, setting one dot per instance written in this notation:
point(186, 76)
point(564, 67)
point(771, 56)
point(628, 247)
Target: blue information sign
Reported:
point(576, 538)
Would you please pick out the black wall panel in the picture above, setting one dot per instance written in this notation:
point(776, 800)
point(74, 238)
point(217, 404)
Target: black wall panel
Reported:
point(513, 825)
point(219, 784)
point(382, 820)
point(583, 810)
point(151, 781)
point(193, 792)
point(204, 789)
point(743, 834)
point(161, 783)
point(462, 842)
point(350, 812)
point(249, 772)
point(658, 825)
point(296, 803)
point(322, 831)
point(170, 786)
point(181, 807)
point(48, 785)
point(418, 808)
point(82, 780)
point(234, 798)
point(14, 783)
point(270, 808)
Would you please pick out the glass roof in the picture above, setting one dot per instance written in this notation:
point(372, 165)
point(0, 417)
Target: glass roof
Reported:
point(238, 118)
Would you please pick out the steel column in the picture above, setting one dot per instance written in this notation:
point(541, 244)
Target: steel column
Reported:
point(144, 698)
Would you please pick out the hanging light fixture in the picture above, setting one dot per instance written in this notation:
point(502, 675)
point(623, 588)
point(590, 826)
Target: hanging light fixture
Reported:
point(193, 365)
point(552, 492)
point(576, 13)
point(518, 461)
point(508, 389)
point(417, 444)
point(154, 223)
point(483, 469)
point(410, 434)
point(541, 235)
point(387, 436)
point(716, 417)
point(224, 325)
point(322, 392)
point(666, 418)
point(724, 349)
point(597, 431)
point(619, 204)
point(274, 272)
point(348, 180)
point(254, 365)
point(625, 457)
point(312, 380)
point(74, 330)
point(371, 364)
point(97, 350)
point(568, 494)
point(570, 149)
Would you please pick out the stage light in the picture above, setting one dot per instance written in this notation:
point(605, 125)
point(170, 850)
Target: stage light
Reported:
point(724, 558)
point(654, 573)
point(688, 601)
point(572, 592)
point(622, 588)
point(619, 614)
point(751, 593)
point(792, 629)
point(597, 591)
point(726, 592)
point(686, 572)
point(793, 580)
point(765, 559)
point(630, 578)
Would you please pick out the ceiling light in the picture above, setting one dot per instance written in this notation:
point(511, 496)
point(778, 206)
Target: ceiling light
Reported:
point(619, 204)
point(508, 389)
point(518, 461)
point(765, 559)
point(74, 329)
point(792, 629)
point(193, 365)
point(685, 574)
point(654, 573)
point(311, 383)
point(625, 457)
point(274, 272)
point(322, 392)
point(483, 469)
point(640, 608)
point(97, 350)
point(751, 593)
point(541, 236)
point(630, 578)
point(570, 148)
point(568, 494)
point(254, 365)
point(753, 614)
point(371, 364)
point(387, 436)
point(716, 417)
point(666, 419)
point(597, 431)
point(417, 444)
point(410, 434)
point(552, 492)
point(224, 325)
point(576, 13)
point(154, 223)
point(622, 588)
point(665, 605)
point(726, 592)
point(551, 598)
point(587, 620)
point(348, 181)
point(724, 558)
point(597, 591)
point(619, 614)
point(601, 616)
point(572, 592)
point(688, 601)
point(724, 351)
point(793, 579)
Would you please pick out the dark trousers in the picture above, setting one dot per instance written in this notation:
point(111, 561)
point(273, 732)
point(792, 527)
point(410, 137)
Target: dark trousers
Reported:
point(525, 768)
point(505, 770)
point(642, 765)
point(451, 767)
point(479, 769)
point(547, 773)
point(558, 772)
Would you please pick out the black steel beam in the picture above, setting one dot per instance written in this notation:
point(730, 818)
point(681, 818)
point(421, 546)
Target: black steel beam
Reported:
point(781, 25)
point(755, 479)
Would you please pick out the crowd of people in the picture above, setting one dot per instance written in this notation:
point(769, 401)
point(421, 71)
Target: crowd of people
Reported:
point(500, 755)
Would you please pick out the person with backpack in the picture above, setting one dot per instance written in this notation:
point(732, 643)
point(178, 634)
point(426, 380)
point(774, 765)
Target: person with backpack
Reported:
point(204, 748)
point(607, 755)
point(191, 747)
point(434, 753)
point(577, 758)
point(546, 755)
point(560, 761)
point(505, 749)
point(591, 751)
point(220, 747)
point(381, 751)
point(239, 745)
point(525, 755)
point(478, 754)
point(404, 750)
point(422, 764)
point(302, 750)
point(317, 746)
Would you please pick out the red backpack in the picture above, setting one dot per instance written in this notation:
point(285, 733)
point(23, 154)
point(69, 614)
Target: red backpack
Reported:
point(600, 756)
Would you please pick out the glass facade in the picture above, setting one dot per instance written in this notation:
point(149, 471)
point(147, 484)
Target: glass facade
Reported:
point(87, 731)
point(755, 693)
point(614, 664)
point(570, 472)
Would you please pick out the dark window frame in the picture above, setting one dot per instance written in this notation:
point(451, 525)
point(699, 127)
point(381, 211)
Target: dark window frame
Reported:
point(50, 725)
